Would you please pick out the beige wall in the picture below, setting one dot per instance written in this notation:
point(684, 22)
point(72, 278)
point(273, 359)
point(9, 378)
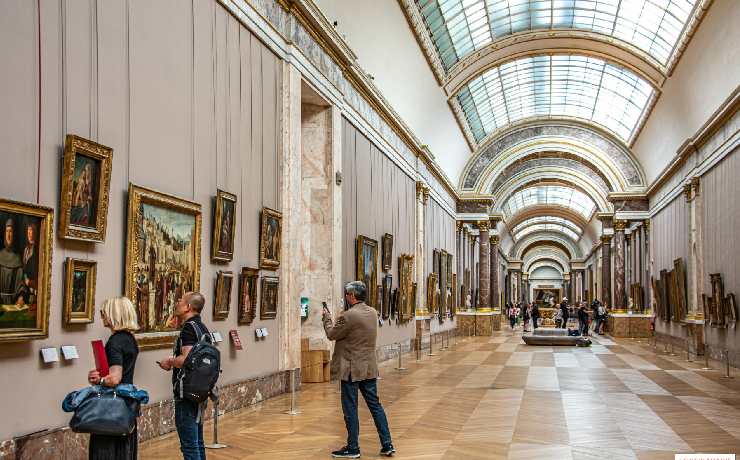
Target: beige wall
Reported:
point(189, 101)
point(707, 73)
point(377, 198)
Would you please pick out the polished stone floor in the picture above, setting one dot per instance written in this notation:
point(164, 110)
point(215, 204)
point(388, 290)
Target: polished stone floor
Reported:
point(496, 398)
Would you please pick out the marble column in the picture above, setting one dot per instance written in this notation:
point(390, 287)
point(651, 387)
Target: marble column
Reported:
point(646, 264)
point(606, 270)
point(696, 262)
point(484, 267)
point(422, 197)
point(525, 287)
point(620, 301)
point(495, 288)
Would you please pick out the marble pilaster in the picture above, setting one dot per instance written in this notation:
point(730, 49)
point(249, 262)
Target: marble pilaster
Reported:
point(620, 301)
point(484, 268)
point(495, 266)
point(422, 197)
point(696, 260)
point(606, 270)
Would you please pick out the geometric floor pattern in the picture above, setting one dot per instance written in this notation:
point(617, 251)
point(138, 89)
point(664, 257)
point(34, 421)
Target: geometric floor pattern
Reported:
point(497, 398)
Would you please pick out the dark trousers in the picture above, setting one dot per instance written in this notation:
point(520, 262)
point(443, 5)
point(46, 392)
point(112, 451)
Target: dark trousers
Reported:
point(534, 321)
point(369, 390)
point(190, 430)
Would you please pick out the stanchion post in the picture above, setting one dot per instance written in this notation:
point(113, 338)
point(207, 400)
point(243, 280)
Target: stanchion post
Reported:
point(431, 339)
point(216, 444)
point(688, 351)
point(293, 403)
point(727, 365)
point(418, 349)
point(706, 359)
point(400, 354)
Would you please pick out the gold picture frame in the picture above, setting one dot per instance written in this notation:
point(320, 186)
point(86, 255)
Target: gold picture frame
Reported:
point(163, 245)
point(25, 285)
point(407, 308)
point(224, 227)
point(432, 293)
point(86, 172)
point(387, 243)
point(79, 290)
point(222, 301)
point(271, 227)
point(367, 267)
point(269, 296)
point(247, 295)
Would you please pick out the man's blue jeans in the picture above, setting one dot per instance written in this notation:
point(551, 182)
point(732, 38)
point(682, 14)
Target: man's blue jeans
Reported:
point(189, 430)
point(369, 390)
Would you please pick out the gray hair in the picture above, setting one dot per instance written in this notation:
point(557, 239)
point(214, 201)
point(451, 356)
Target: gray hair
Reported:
point(196, 300)
point(356, 288)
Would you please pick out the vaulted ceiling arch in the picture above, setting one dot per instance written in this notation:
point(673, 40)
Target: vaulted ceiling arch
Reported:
point(544, 271)
point(537, 239)
point(547, 252)
point(528, 225)
point(544, 261)
point(545, 211)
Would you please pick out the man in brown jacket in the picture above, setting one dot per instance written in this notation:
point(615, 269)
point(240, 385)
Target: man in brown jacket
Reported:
point(355, 333)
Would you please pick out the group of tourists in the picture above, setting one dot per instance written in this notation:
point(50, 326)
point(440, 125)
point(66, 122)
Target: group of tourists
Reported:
point(574, 317)
point(526, 314)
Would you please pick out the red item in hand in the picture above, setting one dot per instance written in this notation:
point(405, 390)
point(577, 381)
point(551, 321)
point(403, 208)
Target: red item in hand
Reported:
point(101, 360)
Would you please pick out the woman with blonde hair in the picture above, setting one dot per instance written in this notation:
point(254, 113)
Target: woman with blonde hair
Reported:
point(119, 315)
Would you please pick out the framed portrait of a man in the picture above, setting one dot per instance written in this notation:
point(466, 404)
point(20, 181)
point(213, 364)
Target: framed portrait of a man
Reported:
point(162, 260)
point(269, 297)
point(79, 290)
point(367, 267)
point(86, 172)
point(271, 226)
point(25, 270)
point(247, 295)
point(222, 302)
point(387, 242)
point(224, 227)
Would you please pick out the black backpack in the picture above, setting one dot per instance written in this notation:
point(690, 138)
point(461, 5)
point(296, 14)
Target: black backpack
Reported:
point(201, 369)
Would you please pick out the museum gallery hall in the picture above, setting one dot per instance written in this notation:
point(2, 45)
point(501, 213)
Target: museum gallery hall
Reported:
point(540, 198)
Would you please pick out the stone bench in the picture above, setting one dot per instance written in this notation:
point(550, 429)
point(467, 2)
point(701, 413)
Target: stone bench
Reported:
point(551, 337)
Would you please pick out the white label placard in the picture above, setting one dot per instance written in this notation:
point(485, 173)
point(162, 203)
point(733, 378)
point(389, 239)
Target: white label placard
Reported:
point(70, 352)
point(50, 355)
point(258, 333)
point(264, 332)
point(217, 337)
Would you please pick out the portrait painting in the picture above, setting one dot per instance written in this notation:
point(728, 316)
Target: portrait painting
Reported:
point(162, 260)
point(432, 288)
point(367, 266)
point(25, 270)
point(271, 225)
point(224, 227)
point(386, 302)
point(442, 280)
point(387, 242)
point(79, 290)
point(450, 261)
point(222, 303)
point(86, 172)
point(435, 261)
point(453, 296)
point(407, 301)
point(247, 295)
point(269, 297)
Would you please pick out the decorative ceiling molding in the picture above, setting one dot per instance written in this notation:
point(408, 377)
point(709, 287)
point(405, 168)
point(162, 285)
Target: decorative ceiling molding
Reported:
point(547, 252)
point(545, 238)
point(543, 262)
point(547, 176)
point(546, 210)
point(597, 146)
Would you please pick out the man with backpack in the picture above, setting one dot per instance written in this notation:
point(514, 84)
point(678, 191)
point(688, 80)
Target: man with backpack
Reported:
point(195, 366)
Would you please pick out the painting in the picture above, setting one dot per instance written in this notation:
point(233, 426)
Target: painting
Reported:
point(271, 226)
point(247, 295)
point(222, 302)
point(407, 304)
point(162, 260)
point(442, 280)
point(386, 303)
point(435, 261)
point(85, 181)
point(269, 297)
point(453, 296)
point(224, 227)
point(367, 266)
point(25, 270)
point(387, 252)
point(432, 288)
point(79, 291)
point(450, 261)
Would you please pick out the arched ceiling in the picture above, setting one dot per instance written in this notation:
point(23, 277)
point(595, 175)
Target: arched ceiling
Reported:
point(547, 239)
point(549, 252)
point(550, 195)
point(543, 262)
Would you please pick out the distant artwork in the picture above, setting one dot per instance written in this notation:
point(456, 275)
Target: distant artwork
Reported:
point(442, 280)
point(406, 291)
point(450, 261)
point(79, 291)
point(435, 261)
point(270, 238)
point(224, 227)
point(432, 287)
point(386, 303)
point(25, 270)
point(85, 187)
point(162, 259)
point(367, 266)
point(247, 295)
point(387, 252)
point(269, 295)
point(453, 296)
point(222, 303)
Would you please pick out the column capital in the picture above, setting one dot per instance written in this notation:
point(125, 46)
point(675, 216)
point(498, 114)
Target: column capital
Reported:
point(620, 225)
point(606, 238)
point(459, 225)
point(691, 188)
point(483, 225)
point(494, 240)
point(646, 224)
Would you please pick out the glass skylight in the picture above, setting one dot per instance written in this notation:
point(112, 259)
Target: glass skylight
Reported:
point(546, 227)
point(547, 220)
point(560, 85)
point(549, 195)
point(460, 27)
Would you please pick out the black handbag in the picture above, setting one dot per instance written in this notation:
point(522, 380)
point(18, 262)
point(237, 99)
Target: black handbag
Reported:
point(106, 413)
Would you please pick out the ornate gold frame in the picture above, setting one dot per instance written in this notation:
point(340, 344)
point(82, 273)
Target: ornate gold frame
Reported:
point(70, 266)
point(407, 306)
point(43, 297)
point(264, 314)
point(270, 264)
point(216, 255)
point(136, 196)
point(371, 291)
point(222, 311)
point(247, 313)
point(72, 145)
point(432, 293)
point(453, 297)
point(387, 252)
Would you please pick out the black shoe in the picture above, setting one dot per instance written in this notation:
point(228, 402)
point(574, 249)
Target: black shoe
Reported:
point(346, 452)
point(388, 450)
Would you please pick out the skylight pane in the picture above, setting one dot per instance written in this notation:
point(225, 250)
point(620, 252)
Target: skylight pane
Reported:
point(653, 26)
point(549, 195)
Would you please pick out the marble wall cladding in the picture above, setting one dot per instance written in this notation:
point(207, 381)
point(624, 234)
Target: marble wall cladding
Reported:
point(390, 351)
point(484, 325)
point(621, 157)
point(156, 420)
point(631, 205)
point(466, 325)
point(473, 206)
point(629, 326)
